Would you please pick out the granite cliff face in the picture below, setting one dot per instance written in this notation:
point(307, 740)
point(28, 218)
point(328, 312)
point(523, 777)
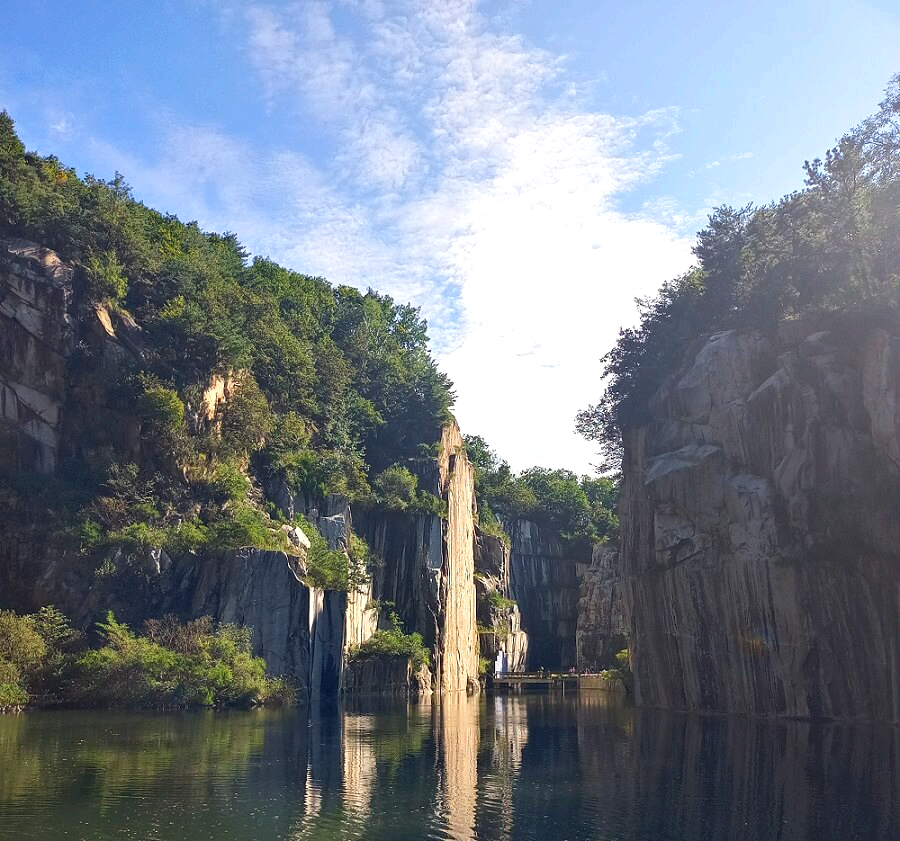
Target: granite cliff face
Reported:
point(544, 580)
point(503, 643)
point(428, 574)
point(760, 538)
point(47, 324)
point(601, 631)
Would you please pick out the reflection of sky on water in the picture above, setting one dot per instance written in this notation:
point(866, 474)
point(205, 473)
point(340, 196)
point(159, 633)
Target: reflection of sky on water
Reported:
point(496, 769)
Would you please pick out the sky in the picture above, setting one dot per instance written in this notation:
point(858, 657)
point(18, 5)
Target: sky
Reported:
point(520, 171)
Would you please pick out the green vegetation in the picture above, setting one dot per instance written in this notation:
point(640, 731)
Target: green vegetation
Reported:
point(394, 643)
point(581, 510)
point(499, 601)
point(323, 388)
point(197, 664)
point(622, 670)
point(333, 569)
point(830, 251)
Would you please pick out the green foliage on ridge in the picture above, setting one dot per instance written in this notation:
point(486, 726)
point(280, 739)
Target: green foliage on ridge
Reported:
point(329, 386)
point(830, 251)
point(580, 509)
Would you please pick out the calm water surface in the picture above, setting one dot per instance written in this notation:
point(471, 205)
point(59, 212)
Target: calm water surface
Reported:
point(528, 767)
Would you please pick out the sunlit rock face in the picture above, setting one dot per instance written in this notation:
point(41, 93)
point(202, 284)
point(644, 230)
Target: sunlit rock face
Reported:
point(36, 339)
point(601, 631)
point(45, 323)
point(544, 581)
point(427, 574)
point(760, 537)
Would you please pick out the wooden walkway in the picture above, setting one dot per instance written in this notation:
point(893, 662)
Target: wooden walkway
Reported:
point(514, 681)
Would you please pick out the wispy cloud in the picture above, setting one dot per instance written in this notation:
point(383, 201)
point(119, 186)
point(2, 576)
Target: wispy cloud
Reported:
point(456, 166)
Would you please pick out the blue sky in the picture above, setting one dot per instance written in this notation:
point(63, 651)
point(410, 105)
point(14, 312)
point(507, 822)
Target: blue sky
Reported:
point(519, 170)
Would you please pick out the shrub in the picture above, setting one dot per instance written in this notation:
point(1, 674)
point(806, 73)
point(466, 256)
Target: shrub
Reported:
point(326, 568)
point(188, 536)
point(105, 273)
point(395, 488)
point(228, 483)
point(12, 697)
point(20, 642)
point(244, 526)
point(499, 601)
point(394, 642)
point(197, 664)
point(137, 536)
point(162, 407)
point(622, 670)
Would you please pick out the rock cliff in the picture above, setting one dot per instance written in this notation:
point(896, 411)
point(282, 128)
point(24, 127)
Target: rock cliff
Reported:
point(760, 539)
point(428, 571)
point(503, 643)
point(56, 349)
point(544, 581)
point(601, 632)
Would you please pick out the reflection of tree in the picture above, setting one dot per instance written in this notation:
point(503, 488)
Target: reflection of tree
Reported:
point(137, 751)
point(77, 768)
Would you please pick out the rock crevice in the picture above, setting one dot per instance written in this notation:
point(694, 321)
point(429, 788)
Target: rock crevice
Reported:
point(760, 565)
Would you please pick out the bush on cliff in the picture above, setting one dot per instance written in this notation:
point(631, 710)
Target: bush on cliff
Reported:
point(327, 386)
point(831, 250)
point(394, 642)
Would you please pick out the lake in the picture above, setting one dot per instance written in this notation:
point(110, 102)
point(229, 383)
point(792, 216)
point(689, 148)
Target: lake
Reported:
point(545, 767)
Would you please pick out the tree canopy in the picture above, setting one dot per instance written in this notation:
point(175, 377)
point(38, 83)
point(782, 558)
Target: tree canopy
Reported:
point(329, 385)
point(580, 509)
point(830, 249)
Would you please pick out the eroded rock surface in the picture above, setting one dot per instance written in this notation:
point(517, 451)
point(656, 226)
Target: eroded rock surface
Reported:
point(601, 632)
point(760, 536)
point(544, 581)
point(502, 642)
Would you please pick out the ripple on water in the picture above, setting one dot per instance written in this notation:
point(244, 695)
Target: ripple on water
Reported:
point(504, 769)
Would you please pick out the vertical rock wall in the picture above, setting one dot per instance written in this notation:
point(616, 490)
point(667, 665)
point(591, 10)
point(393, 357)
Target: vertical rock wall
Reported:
point(36, 338)
point(502, 642)
point(601, 631)
point(457, 653)
point(760, 536)
point(544, 581)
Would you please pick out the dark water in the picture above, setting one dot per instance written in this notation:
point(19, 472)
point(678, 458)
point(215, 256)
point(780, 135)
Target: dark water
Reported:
point(538, 767)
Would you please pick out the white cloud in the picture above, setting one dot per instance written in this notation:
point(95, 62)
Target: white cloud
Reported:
point(464, 173)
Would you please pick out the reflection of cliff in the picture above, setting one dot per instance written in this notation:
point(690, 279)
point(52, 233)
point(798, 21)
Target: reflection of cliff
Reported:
point(740, 778)
point(505, 732)
point(359, 766)
point(456, 725)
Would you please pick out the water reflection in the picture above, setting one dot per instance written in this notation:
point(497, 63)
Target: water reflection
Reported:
point(517, 767)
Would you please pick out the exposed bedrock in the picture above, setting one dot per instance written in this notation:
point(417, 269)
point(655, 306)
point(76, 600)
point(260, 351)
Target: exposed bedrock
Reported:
point(760, 536)
point(601, 632)
point(502, 642)
point(428, 571)
point(544, 581)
